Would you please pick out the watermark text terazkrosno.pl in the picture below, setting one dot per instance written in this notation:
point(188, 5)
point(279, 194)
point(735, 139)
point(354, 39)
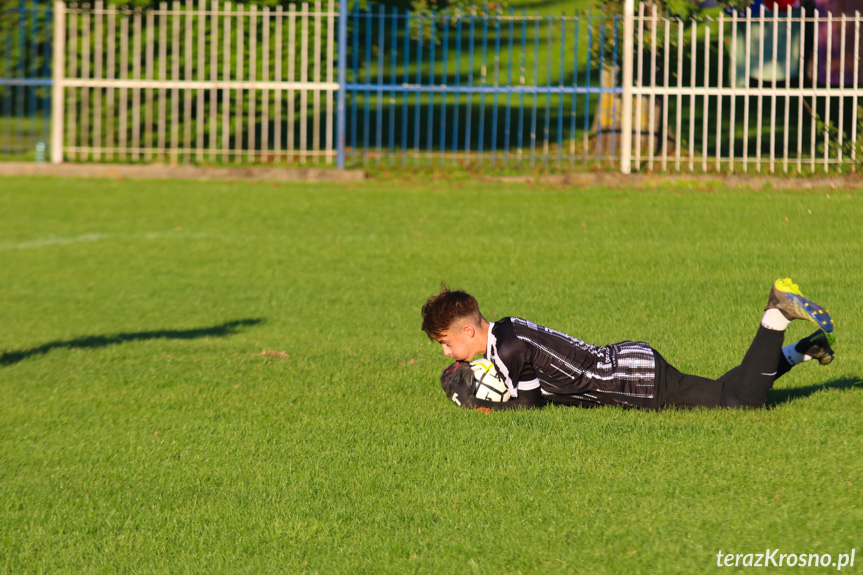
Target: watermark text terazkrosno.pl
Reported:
point(775, 558)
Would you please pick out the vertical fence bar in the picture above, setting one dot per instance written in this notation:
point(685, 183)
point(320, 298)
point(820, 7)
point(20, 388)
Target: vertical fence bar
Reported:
point(574, 105)
point(72, 134)
point(626, 114)
point(304, 78)
point(331, 40)
point(265, 93)
point(828, 78)
point(773, 88)
point(841, 91)
point(343, 80)
point(444, 81)
point(692, 108)
point(720, 62)
point(200, 116)
point(458, 85)
point(706, 99)
point(418, 97)
point(406, 65)
point(214, 76)
point(430, 127)
point(148, 98)
point(483, 68)
point(522, 83)
point(226, 92)
point(651, 116)
point(787, 125)
point(316, 93)
point(546, 135)
point(733, 77)
point(640, 97)
point(111, 36)
point(394, 58)
point(98, 63)
point(614, 60)
point(812, 131)
point(58, 86)
point(253, 92)
point(21, 91)
point(856, 86)
point(600, 108)
point(33, 69)
point(175, 76)
point(760, 113)
point(380, 94)
point(187, 75)
point(679, 123)
point(367, 95)
point(587, 84)
point(163, 75)
point(45, 102)
point(238, 116)
point(506, 126)
point(746, 78)
point(86, 109)
point(801, 100)
point(136, 93)
point(560, 98)
point(666, 69)
point(469, 97)
point(535, 95)
point(124, 74)
point(292, 56)
point(496, 86)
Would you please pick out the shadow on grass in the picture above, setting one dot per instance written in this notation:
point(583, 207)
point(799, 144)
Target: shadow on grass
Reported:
point(779, 397)
point(94, 341)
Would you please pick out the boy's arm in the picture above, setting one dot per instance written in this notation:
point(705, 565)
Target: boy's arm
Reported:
point(457, 379)
point(527, 399)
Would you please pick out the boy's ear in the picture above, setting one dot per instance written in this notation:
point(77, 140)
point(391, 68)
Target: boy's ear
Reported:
point(469, 330)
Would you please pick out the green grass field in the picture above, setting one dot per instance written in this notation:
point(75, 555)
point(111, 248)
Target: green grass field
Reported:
point(143, 431)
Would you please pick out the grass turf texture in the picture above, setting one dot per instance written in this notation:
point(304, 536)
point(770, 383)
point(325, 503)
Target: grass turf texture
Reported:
point(141, 431)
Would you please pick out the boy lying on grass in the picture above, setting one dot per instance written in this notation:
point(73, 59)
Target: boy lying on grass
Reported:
point(538, 364)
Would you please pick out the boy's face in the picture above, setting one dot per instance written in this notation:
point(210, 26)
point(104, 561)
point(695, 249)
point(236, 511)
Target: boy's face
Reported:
point(460, 342)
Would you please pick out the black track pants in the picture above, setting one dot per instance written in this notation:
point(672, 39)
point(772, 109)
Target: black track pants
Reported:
point(744, 386)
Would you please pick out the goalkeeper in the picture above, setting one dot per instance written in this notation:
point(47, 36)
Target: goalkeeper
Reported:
point(539, 364)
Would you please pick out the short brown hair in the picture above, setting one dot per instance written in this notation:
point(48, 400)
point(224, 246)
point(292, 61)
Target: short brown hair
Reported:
point(442, 310)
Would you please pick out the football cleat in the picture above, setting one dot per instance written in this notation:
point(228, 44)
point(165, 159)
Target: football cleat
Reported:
point(786, 297)
point(818, 346)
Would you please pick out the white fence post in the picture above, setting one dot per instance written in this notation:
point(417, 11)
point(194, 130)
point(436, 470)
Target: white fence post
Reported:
point(57, 88)
point(626, 116)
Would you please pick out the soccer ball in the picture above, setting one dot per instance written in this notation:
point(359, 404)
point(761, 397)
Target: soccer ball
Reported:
point(487, 383)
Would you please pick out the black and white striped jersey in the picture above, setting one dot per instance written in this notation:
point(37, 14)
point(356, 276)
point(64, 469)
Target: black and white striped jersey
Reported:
point(569, 370)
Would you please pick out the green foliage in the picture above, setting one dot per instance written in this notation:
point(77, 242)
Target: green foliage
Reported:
point(229, 377)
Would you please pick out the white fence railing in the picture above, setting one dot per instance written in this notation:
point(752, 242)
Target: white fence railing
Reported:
point(788, 101)
point(206, 83)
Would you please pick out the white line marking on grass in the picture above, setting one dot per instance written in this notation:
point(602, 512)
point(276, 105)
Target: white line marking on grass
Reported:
point(52, 241)
point(94, 237)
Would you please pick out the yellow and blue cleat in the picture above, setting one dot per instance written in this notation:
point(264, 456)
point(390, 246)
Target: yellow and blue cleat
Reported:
point(786, 297)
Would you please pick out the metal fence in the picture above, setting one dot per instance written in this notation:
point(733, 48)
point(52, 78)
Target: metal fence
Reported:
point(764, 91)
point(216, 83)
point(203, 83)
point(25, 81)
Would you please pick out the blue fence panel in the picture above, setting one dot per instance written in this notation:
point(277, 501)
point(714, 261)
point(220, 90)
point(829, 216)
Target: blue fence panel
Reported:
point(517, 72)
point(25, 81)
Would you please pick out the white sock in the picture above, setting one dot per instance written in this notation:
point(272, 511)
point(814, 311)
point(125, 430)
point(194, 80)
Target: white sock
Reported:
point(793, 356)
point(775, 320)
